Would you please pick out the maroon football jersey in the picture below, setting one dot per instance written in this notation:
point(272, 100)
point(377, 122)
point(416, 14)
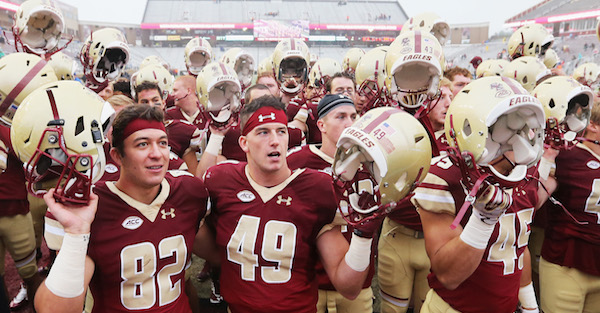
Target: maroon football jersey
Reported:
point(111, 170)
point(13, 194)
point(183, 137)
point(175, 113)
point(267, 237)
point(140, 251)
point(314, 134)
point(567, 243)
point(310, 156)
point(494, 285)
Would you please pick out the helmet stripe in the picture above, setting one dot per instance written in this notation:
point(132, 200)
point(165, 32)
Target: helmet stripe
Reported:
point(292, 44)
point(380, 119)
point(21, 85)
point(512, 85)
point(417, 41)
point(223, 68)
point(52, 104)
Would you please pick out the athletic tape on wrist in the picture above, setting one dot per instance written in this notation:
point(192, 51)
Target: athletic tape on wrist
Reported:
point(302, 115)
point(476, 232)
point(359, 253)
point(214, 144)
point(527, 298)
point(67, 274)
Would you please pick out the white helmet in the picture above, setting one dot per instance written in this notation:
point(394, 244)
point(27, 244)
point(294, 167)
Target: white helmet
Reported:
point(38, 26)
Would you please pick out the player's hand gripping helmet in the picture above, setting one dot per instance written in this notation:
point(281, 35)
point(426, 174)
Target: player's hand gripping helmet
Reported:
point(528, 71)
point(370, 79)
point(529, 40)
point(104, 54)
point(265, 67)
point(351, 60)
point(492, 67)
point(63, 65)
point(379, 160)
point(58, 132)
point(428, 22)
point(414, 65)
point(567, 105)
point(588, 74)
point(21, 74)
point(198, 53)
point(38, 26)
point(243, 64)
point(551, 59)
point(290, 63)
point(156, 74)
point(319, 75)
point(488, 118)
point(218, 90)
point(154, 60)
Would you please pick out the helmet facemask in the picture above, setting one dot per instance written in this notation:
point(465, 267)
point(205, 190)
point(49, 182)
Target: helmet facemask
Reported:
point(292, 75)
point(376, 97)
point(223, 102)
point(416, 81)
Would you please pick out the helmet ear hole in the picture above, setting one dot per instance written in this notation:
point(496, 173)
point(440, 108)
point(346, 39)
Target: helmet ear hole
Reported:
point(467, 128)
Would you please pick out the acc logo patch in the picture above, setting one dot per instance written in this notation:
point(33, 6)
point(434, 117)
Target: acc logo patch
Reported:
point(246, 196)
point(593, 164)
point(111, 168)
point(132, 222)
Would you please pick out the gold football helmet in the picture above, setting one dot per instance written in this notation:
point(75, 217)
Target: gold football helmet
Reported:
point(63, 65)
point(351, 59)
point(155, 73)
point(243, 64)
point(551, 59)
point(154, 59)
point(529, 40)
point(219, 90)
point(492, 67)
point(428, 22)
point(379, 160)
point(58, 131)
point(290, 63)
point(567, 105)
point(527, 71)
point(265, 66)
point(587, 74)
point(370, 79)
point(492, 116)
point(104, 55)
point(38, 26)
point(198, 53)
point(320, 74)
point(414, 65)
point(21, 74)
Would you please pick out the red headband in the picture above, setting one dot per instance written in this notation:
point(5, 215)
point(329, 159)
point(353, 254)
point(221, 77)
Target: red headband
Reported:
point(264, 115)
point(139, 124)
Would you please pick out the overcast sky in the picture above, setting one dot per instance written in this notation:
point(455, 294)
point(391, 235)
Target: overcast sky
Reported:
point(454, 11)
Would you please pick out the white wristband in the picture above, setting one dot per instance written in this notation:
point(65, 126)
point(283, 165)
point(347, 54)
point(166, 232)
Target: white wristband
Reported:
point(527, 299)
point(545, 168)
point(214, 144)
point(67, 274)
point(477, 233)
point(359, 253)
point(302, 115)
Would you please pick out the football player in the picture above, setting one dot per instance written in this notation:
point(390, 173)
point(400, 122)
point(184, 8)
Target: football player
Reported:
point(335, 113)
point(184, 138)
point(187, 107)
point(270, 228)
point(137, 231)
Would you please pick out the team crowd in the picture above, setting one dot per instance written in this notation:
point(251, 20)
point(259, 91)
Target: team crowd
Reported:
point(299, 180)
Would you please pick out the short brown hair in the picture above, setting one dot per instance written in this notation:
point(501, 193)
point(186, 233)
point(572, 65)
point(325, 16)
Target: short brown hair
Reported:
point(453, 71)
point(338, 75)
point(120, 101)
point(264, 101)
point(248, 92)
point(128, 114)
point(146, 86)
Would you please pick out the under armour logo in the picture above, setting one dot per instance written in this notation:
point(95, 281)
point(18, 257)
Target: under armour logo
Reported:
point(261, 117)
point(164, 213)
point(288, 200)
